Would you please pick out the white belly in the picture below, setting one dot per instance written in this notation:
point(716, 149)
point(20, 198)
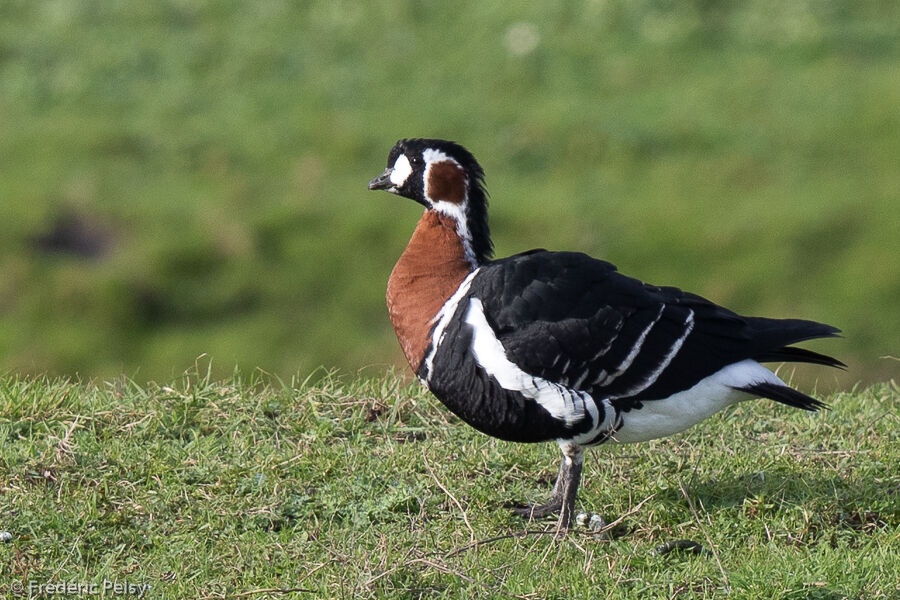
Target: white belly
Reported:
point(660, 418)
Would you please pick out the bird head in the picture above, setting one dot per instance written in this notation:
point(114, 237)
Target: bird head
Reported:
point(443, 177)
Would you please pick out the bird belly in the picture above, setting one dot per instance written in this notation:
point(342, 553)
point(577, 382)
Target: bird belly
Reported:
point(661, 418)
point(667, 416)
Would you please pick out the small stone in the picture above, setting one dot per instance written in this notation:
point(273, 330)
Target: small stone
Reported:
point(581, 519)
point(596, 523)
point(5, 536)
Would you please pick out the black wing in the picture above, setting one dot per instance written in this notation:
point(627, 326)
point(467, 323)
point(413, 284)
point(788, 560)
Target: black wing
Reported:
point(572, 319)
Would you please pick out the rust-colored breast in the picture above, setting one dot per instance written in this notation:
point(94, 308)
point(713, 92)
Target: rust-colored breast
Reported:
point(429, 271)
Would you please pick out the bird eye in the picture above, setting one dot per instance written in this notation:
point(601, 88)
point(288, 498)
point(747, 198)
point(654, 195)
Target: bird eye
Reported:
point(415, 160)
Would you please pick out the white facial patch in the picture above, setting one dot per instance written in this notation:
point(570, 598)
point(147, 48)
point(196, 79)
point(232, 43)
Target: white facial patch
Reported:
point(432, 156)
point(401, 171)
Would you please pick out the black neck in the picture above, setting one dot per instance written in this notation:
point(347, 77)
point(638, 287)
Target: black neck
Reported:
point(477, 220)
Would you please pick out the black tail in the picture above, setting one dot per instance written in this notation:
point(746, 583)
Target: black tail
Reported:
point(776, 335)
point(784, 394)
point(792, 354)
point(784, 332)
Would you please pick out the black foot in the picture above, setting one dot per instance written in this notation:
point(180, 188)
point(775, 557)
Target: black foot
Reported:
point(553, 507)
point(539, 511)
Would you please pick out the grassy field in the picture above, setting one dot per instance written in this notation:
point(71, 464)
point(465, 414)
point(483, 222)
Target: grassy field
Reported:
point(188, 178)
point(183, 179)
point(370, 489)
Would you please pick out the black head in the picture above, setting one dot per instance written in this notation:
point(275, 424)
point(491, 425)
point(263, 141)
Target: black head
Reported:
point(444, 177)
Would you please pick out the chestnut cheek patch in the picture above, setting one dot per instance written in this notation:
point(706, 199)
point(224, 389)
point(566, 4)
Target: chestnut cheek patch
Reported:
point(446, 182)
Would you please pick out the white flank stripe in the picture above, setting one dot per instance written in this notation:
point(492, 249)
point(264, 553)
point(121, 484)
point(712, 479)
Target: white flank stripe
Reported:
point(443, 318)
point(580, 380)
point(599, 376)
point(635, 349)
point(562, 403)
point(650, 379)
point(603, 350)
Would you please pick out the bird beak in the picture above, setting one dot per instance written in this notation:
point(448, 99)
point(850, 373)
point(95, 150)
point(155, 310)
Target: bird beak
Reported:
point(383, 181)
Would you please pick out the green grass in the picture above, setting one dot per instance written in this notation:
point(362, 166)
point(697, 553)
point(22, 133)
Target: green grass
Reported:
point(745, 151)
point(249, 488)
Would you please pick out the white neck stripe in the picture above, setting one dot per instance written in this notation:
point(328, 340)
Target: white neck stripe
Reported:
point(456, 211)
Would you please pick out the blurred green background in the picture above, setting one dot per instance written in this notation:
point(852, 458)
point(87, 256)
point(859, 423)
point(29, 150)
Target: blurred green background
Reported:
point(183, 178)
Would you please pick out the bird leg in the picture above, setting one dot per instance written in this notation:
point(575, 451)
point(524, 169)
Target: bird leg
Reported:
point(552, 506)
point(562, 499)
point(573, 459)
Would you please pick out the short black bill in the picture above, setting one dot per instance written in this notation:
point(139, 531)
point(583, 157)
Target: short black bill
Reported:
point(383, 181)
